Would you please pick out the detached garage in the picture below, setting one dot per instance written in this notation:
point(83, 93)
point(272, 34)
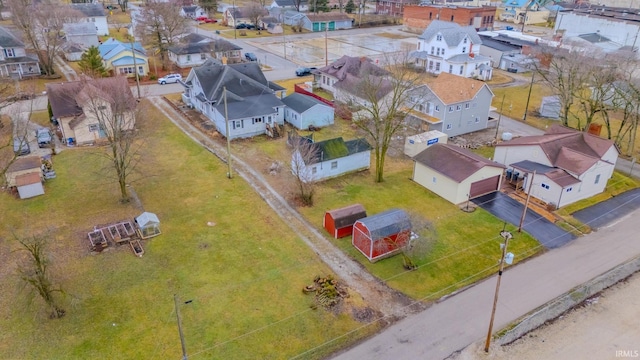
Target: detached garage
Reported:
point(29, 185)
point(456, 174)
point(382, 235)
point(339, 222)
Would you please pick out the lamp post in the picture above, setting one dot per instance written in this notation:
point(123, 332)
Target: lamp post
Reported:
point(500, 116)
point(508, 258)
point(184, 347)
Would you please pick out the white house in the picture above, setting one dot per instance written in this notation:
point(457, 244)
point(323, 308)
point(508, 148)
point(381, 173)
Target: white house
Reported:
point(456, 174)
point(331, 158)
point(14, 61)
point(79, 37)
point(304, 112)
point(195, 49)
point(253, 104)
point(452, 104)
point(448, 47)
point(94, 13)
point(192, 12)
point(560, 167)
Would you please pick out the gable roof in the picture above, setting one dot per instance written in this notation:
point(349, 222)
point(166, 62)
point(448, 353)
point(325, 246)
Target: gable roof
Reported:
point(558, 176)
point(452, 161)
point(348, 215)
point(245, 84)
point(451, 32)
point(301, 103)
point(28, 179)
point(245, 12)
point(567, 148)
point(66, 98)
point(328, 17)
point(25, 163)
point(352, 65)
point(8, 40)
point(196, 44)
point(86, 28)
point(112, 47)
point(89, 10)
point(191, 9)
point(451, 89)
point(336, 148)
point(387, 223)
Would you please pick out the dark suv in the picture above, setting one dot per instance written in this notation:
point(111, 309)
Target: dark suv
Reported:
point(303, 71)
point(251, 56)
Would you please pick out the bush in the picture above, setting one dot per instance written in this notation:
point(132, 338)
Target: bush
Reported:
point(343, 112)
point(153, 76)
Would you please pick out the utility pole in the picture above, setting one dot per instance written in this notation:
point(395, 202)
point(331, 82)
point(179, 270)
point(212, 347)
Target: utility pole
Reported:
point(184, 347)
point(135, 66)
point(500, 116)
point(526, 203)
point(526, 107)
point(284, 43)
point(326, 48)
point(226, 121)
point(508, 258)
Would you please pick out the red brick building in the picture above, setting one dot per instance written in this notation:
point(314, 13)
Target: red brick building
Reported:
point(393, 7)
point(417, 18)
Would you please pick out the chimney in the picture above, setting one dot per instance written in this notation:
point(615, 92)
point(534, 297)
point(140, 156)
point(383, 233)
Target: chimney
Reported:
point(472, 55)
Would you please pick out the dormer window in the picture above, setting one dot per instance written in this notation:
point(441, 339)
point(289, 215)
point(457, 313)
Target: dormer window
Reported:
point(438, 37)
point(9, 53)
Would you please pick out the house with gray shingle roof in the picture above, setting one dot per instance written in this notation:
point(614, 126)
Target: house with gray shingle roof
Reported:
point(304, 111)
point(560, 167)
point(456, 174)
point(331, 158)
point(14, 61)
point(94, 14)
point(251, 104)
point(448, 47)
point(192, 11)
point(78, 38)
point(195, 49)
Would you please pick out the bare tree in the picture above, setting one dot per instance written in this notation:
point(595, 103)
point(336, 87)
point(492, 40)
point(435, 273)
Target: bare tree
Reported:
point(297, 4)
point(35, 272)
point(14, 126)
point(110, 103)
point(41, 23)
point(160, 26)
point(413, 244)
point(563, 72)
point(304, 155)
point(597, 97)
point(255, 12)
point(383, 105)
point(124, 4)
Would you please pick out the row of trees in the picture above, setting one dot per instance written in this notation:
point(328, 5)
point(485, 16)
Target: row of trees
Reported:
point(593, 86)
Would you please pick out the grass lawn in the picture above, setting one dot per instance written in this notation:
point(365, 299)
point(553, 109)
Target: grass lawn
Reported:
point(244, 274)
point(465, 250)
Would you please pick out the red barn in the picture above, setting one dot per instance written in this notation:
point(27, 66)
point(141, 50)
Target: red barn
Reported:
point(381, 235)
point(339, 222)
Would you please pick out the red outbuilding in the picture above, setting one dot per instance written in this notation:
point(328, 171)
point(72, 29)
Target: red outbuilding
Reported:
point(339, 222)
point(383, 234)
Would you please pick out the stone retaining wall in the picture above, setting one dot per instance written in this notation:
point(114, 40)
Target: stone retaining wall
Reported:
point(569, 300)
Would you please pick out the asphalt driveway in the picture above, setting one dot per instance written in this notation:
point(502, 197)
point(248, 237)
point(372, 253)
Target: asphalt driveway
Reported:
point(608, 211)
point(509, 210)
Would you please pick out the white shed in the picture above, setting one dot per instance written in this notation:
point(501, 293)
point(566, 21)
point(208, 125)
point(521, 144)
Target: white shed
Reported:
point(304, 111)
point(29, 185)
point(414, 144)
point(148, 225)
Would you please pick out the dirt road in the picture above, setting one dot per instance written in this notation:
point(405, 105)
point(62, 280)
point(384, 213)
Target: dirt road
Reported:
point(392, 304)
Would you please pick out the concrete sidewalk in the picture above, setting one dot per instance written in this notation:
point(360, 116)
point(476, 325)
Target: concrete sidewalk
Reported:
point(458, 321)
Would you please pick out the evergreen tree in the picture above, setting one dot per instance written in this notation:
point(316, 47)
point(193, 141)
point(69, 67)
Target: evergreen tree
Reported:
point(350, 7)
point(91, 63)
point(210, 6)
point(321, 6)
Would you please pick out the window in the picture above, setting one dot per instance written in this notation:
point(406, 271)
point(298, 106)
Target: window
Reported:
point(438, 51)
point(256, 120)
point(569, 189)
point(464, 41)
point(430, 16)
point(544, 186)
point(432, 50)
point(140, 70)
point(438, 37)
point(430, 65)
point(188, 57)
point(94, 127)
point(464, 49)
point(450, 69)
point(466, 106)
point(433, 180)
point(437, 108)
point(597, 179)
point(238, 124)
point(461, 67)
point(314, 170)
point(102, 107)
point(438, 66)
point(458, 107)
point(334, 164)
point(477, 120)
point(450, 108)
point(448, 126)
point(452, 18)
point(9, 53)
point(443, 52)
point(93, 19)
point(203, 56)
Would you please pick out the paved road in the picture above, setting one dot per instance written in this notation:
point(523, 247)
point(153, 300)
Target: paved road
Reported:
point(503, 207)
point(452, 324)
point(611, 210)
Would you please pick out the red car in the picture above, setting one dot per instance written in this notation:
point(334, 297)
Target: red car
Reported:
point(205, 19)
point(210, 21)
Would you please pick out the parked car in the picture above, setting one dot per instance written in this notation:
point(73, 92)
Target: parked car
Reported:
point(201, 18)
point(210, 21)
point(44, 137)
point(250, 26)
point(169, 79)
point(241, 26)
point(111, 7)
point(251, 56)
point(303, 71)
point(21, 146)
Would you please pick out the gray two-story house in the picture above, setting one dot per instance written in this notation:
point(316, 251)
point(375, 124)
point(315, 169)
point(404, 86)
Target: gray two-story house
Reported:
point(452, 104)
point(14, 61)
point(253, 104)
